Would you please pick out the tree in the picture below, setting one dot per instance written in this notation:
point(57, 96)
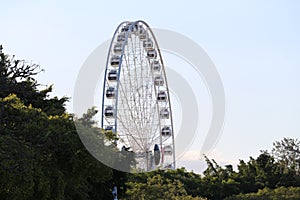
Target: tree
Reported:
point(287, 152)
point(218, 182)
point(158, 187)
point(42, 157)
point(17, 77)
point(280, 193)
point(41, 154)
point(259, 173)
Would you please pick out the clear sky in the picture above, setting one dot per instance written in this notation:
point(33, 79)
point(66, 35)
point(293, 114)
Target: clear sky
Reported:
point(254, 44)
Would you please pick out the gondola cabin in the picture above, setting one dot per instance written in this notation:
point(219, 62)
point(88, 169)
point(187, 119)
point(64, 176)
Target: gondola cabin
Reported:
point(109, 128)
point(155, 65)
point(158, 81)
point(168, 151)
point(156, 154)
point(121, 37)
point(134, 28)
point(115, 61)
point(151, 53)
point(142, 33)
point(118, 48)
point(111, 93)
point(148, 44)
point(125, 28)
point(161, 96)
point(112, 75)
point(166, 131)
point(164, 113)
point(109, 111)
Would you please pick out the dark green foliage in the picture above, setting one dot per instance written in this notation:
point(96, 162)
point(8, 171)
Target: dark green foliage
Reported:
point(218, 182)
point(41, 154)
point(287, 153)
point(17, 77)
point(281, 193)
point(252, 179)
point(42, 157)
point(171, 184)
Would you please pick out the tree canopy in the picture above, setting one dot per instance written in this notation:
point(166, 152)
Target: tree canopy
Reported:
point(41, 154)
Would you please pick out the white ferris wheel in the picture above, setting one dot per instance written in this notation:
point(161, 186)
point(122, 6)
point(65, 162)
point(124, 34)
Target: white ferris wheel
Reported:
point(136, 100)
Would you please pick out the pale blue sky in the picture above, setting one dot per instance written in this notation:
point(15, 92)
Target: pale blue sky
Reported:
point(255, 46)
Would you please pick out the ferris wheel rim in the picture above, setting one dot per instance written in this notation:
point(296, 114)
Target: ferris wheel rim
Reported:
point(127, 34)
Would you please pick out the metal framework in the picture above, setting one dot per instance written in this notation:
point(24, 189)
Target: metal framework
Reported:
point(136, 101)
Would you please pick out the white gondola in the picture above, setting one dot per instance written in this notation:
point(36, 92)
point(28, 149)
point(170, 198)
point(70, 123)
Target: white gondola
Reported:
point(109, 112)
point(115, 61)
point(156, 154)
point(109, 128)
point(112, 75)
point(166, 131)
point(143, 36)
point(164, 113)
point(142, 33)
point(161, 96)
point(135, 27)
point(121, 37)
point(125, 28)
point(155, 65)
point(111, 93)
point(151, 53)
point(148, 44)
point(118, 48)
point(158, 81)
point(168, 151)
point(169, 166)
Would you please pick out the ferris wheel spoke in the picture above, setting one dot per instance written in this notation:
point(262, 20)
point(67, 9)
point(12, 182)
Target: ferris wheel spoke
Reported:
point(129, 137)
point(134, 87)
point(127, 103)
point(137, 128)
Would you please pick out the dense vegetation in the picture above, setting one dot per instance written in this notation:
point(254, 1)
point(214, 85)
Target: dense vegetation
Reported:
point(42, 157)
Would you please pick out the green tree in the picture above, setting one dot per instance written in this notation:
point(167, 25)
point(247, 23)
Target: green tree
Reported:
point(158, 187)
point(287, 152)
point(280, 193)
point(41, 154)
point(258, 173)
point(218, 181)
point(17, 77)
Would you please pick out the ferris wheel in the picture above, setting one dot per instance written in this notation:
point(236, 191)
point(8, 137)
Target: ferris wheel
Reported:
point(136, 100)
